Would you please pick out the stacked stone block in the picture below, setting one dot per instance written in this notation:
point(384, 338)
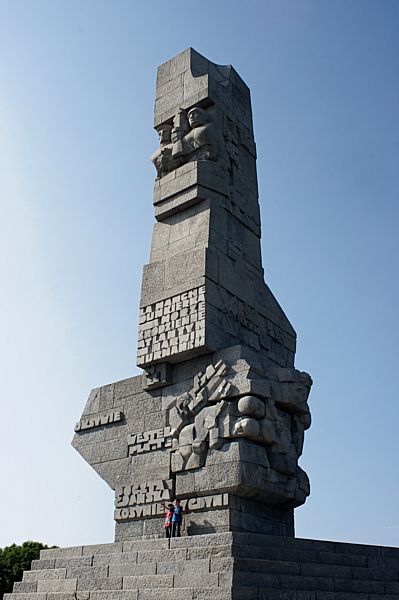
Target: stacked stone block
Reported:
point(125, 433)
point(208, 230)
point(218, 417)
point(222, 566)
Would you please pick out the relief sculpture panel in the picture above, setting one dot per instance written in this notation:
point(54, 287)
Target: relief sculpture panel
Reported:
point(219, 416)
point(193, 136)
point(217, 410)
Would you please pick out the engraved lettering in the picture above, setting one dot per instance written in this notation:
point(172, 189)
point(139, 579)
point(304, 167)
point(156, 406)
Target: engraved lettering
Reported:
point(168, 328)
point(99, 420)
point(155, 509)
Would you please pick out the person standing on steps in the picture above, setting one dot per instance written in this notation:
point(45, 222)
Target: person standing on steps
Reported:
point(176, 518)
point(169, 509)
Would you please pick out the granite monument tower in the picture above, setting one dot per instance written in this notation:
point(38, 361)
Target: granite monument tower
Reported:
point(219, 415)
point(217, 419)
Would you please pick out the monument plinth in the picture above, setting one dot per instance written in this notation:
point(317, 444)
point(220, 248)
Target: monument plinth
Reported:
point(218, 417)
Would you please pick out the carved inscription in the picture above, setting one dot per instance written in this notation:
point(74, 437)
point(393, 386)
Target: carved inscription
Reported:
point(139, 443)
point(171, 326)
point(107, 419)
point(143, 493)
point(138, 512)
point(130, 513)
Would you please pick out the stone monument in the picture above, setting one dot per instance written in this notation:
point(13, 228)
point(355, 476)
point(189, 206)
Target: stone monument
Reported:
point(217, 419)
point(219, 415)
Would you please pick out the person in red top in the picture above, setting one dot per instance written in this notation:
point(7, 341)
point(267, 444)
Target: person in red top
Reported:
point(169, 509)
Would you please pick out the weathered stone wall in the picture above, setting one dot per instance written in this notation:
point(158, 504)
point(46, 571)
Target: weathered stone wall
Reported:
point(219, 416)
point(243, 479)
point(224, 566)
point(208, 231)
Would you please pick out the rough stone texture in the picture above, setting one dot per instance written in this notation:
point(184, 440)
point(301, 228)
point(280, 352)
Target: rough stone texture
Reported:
point(213, 191)
point(218, 566)
point(249, 444)
point(219, 416)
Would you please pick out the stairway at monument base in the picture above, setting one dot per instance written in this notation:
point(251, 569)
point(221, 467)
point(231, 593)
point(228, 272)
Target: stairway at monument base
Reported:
point(220, 566)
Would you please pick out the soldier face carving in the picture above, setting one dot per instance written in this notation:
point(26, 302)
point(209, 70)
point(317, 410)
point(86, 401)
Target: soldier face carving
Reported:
point(165, 134)
point(197, 117)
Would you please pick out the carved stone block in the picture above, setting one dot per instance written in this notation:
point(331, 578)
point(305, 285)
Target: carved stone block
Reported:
point(157, 376)
point(219, 416)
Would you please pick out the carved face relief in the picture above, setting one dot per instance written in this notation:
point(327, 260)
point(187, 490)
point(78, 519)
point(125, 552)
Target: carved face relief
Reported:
point(197, 117)
point(164, 134)
point(221, 417)
point(247, 427)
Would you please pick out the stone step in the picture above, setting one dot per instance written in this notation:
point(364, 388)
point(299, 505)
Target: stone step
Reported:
point(210, 554)
point(219, 566)
point(153, 593)
point(256, 540)
point(87, 582)
point(213, 539)
point(315, 556)
point(210, 560)
point(213, 559)
point(312, 583)
point(245, 585)
point(254, 544)
point(214, 573)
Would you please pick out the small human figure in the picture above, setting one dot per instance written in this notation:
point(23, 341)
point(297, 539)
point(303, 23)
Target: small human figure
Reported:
point(192, 137)
point(176, 518)
point(203, 141)
point(180, 128)
point(162, 158)
point(169, 508)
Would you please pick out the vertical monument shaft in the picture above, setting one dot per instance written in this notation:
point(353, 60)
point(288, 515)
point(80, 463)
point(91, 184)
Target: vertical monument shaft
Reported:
point(218, 418)
point(206, 243)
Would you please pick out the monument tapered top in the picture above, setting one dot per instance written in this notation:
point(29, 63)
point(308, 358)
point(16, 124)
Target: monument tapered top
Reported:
point(189, 79)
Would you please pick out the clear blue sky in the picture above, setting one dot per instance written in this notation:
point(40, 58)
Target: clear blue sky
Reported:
point(77, 81)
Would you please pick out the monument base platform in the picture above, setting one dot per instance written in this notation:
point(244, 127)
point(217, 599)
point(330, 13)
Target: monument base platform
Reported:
point(240, 515)
point(218, 566)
